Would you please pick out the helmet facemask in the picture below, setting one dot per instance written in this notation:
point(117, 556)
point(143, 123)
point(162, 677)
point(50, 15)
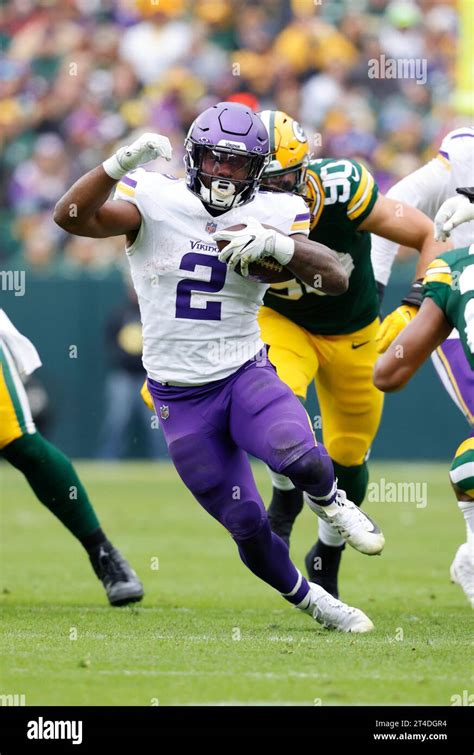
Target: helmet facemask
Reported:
point(222, 177)
point(291, 180)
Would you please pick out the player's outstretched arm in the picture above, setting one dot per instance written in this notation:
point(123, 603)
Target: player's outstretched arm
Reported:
point(407, 226)
point(84, 209)
point(318, 266)
point(412, 347)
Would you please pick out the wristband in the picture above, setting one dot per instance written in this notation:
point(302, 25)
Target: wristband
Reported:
point(415, 294)
point(284, 248)
point(113, 168)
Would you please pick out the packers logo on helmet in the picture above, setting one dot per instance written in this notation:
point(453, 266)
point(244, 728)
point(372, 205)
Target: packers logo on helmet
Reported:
point(289, 149)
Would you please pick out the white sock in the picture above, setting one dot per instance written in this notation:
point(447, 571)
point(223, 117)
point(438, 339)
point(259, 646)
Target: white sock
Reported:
point(467, 509)
point(328, 534)
point(279, 481)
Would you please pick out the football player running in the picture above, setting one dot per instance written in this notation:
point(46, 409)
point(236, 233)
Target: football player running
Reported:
point(331, 340)
point(448, 302)
point(194, 304)
point(49, 472)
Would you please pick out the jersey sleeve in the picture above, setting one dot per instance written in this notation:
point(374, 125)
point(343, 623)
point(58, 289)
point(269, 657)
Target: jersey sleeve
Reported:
point(300, 223)
point(128, 187)
point(363, 193)
point(292, 215)
point(147, 190)
point(342, 189)
point(437, 282)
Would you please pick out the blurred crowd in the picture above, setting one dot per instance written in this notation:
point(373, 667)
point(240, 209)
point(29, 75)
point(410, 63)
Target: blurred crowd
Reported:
point(80, 77)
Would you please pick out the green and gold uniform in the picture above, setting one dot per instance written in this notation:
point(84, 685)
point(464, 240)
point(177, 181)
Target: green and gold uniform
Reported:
point(449, 282)
point(331, 339)
point(342, 195)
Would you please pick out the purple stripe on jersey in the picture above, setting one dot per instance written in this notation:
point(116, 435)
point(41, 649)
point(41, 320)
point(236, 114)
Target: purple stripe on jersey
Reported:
point(458, 136)
point(129, 181)
point(445, 154)
point(300, 218)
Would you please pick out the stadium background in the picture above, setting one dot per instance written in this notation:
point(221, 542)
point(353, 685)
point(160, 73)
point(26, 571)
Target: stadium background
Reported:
point(80, 76)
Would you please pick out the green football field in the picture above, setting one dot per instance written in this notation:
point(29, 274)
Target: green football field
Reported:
point(208, 631)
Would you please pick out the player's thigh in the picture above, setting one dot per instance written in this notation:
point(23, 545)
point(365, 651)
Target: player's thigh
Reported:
point(290, 350)
point(266, 418)
point(15, 412)
point(454, 371)
point(351, 406)
point(219, 475)
point(206, 458)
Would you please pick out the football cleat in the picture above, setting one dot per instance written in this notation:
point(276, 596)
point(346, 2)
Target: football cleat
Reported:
point(352, 524)
point(462, 572)
point(333, 613)
point(120, 581)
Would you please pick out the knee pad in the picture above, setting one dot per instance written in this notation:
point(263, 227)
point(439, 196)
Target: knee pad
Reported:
point(244, 519)
point(461, 472)
point(349, 450)
point(307, 470)
point(288, 439)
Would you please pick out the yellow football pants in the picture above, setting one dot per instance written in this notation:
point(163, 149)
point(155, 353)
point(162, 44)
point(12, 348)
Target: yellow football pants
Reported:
point(341, 366)
point(15, 413)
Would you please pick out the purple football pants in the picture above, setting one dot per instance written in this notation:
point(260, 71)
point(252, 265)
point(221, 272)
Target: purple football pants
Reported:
point(210, 429)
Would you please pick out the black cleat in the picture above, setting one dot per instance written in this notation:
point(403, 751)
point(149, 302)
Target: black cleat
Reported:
point(283, 510)
point(120, 581)
point(322, 564)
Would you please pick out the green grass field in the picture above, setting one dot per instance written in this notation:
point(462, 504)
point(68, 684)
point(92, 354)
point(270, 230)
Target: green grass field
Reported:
point(181, 645)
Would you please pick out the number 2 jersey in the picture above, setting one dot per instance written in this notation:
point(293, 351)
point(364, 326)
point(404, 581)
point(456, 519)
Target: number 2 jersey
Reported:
point(341, 194)
point(449, 281)
point(199, 318)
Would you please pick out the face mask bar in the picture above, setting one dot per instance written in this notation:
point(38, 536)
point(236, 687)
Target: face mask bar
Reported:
point(299, 187)
point(222, 192)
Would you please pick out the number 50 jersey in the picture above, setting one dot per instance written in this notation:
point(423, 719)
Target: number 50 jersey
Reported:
point(199, 318)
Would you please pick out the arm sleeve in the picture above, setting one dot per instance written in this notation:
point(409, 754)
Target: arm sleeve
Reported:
point(437, 282)
point(426, 189)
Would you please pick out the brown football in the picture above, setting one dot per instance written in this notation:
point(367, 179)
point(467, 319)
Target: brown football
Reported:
point(267, 270)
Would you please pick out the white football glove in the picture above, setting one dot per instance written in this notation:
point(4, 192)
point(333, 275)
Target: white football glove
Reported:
point(144, 149)
point(253, 243)
point(453, 212)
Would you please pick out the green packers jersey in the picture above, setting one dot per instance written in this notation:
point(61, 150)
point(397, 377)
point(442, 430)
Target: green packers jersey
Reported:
point(449, 281)
point(342, 193)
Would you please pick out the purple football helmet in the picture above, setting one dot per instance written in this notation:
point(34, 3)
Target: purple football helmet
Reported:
point(227, 149)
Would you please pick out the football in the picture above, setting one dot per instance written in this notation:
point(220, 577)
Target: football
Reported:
point(267, 270)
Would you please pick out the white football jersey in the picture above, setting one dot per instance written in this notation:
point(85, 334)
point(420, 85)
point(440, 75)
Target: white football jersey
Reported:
point(427, 188)
point(199, 318)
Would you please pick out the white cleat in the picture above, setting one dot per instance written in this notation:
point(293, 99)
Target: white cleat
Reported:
point(351, 523)
point(333, 613)
point(462, 572)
